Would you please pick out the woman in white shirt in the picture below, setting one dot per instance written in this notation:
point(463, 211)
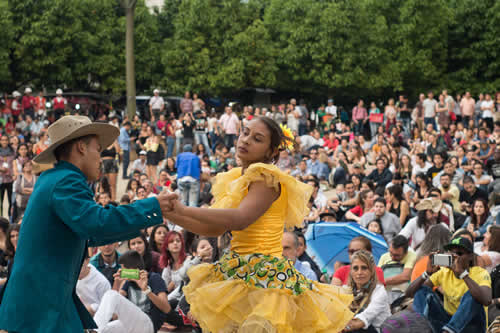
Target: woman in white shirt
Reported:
point(417, 227)
point(371, 303)
point(489, 249)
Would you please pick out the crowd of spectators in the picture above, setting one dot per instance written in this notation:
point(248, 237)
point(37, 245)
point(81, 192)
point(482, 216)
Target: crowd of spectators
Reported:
point(420, 175)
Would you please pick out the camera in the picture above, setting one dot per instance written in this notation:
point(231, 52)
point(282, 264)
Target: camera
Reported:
point(444, 260)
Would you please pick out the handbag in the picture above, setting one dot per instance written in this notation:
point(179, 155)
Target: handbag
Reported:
point(376, 117)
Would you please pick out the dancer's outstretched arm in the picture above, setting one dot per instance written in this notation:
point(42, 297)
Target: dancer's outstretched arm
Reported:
point(195, 226)
point(258, 200)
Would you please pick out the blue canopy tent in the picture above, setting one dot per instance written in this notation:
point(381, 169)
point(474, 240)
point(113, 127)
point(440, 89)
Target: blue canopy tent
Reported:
point(328, 242)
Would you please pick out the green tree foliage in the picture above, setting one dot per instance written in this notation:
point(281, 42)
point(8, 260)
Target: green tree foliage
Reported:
point(341, 47)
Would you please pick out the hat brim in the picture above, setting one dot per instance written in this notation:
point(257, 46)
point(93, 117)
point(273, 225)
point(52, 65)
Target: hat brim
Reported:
point(106, 135)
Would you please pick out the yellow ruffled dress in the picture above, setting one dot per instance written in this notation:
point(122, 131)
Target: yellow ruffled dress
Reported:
point(252, 288)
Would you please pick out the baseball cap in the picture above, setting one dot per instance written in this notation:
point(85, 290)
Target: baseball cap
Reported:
point(142, 152)
point(461, 242)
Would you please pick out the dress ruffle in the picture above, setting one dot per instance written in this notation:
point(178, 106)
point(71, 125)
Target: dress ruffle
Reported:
point(233, 305)
point(231, 187)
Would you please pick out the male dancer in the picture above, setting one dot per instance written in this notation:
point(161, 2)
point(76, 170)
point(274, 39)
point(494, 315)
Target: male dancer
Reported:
point(61, 220)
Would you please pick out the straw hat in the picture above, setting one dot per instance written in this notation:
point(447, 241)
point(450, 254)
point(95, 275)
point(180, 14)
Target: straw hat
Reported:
point(72, 127)
point(430, 204)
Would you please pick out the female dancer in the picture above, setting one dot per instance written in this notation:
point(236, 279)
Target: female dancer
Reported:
point(253, 288)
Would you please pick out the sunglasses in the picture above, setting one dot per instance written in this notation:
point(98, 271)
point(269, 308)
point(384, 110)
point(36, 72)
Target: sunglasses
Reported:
point(352, 251)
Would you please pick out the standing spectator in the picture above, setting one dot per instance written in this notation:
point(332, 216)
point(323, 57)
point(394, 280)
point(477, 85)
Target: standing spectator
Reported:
point(170, 136)
point(59, 104)
point(21, 157)
point(303, 118)
point(467, 104)
point(24, 185)
point(371, 303)
point(488, 109)
point(156, 105)
point(200, 133)
point(198, 103)
point(390, 222)
point(331, 109)
point(292, 118)
point(390, 115)
point(40, 106)
point(16, 105)
point(466, 289)
point(106, 261)
point(442, 111)
point(359, 117)
point(188, 126)
point(404, 112)
point(186, 104)
point(109, 158)
point(28, 103)
point(374, 125)
point(230, 124)
point(188, 174)
point(154, 153)
point(429, 105)
point(124, 141)
point(7, 156)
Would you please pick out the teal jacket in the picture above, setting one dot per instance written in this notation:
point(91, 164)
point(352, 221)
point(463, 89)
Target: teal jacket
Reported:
point(60, 221)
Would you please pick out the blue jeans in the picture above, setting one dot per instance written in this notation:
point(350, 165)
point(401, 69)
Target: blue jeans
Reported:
point(358, 128)
point(302, 129)
point(201, 137)
point(374, 128)
point(126, 161)
point(229, 140)
point(190, 192)
point(170, 146)
point(470, 314)
point(431, 120)
point(214, 140)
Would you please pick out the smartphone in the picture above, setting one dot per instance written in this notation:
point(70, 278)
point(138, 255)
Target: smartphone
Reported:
point(444, 260)
point(132, 274)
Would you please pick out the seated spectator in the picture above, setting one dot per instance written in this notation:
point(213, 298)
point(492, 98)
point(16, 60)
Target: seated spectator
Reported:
point(466, 289)
point(481, 180)
point(435, 240)
point(479, 219)
point(290, 244)
point(376, 227)
point(371, 303)
point(315, 167)
point(348, 198)
point(341, 275)
point(437, 165)
point(396, 204)
point(91, 286)
point(140, 163)
point(397, 265)
point(390, 222)
point(103, 198)
point(421, 165)
point(106, 261)
point(456, 176)
point(175, 263)
point(300, 171)
point(489, 249)
point(157, 237)
point(304, 257)
point(469, 194)
point(10, 249)
point(381, 176)
point(151, 258)
point(319, 198)
point(139, 306)
point(364, 205)
point(4, 227)
point(417, 228)
point(449, 191)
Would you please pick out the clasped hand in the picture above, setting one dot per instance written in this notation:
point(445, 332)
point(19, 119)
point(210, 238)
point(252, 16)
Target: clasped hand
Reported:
point(169, 202)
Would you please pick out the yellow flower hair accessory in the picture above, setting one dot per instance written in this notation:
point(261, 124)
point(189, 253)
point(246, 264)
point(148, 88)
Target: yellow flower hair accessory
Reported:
point(287, 144)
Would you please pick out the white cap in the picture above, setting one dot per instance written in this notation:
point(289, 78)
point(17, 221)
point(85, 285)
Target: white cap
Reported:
point(59, 91)
point(142, 152)
point(16, 94)
point(27, 90)
point(156, 91)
